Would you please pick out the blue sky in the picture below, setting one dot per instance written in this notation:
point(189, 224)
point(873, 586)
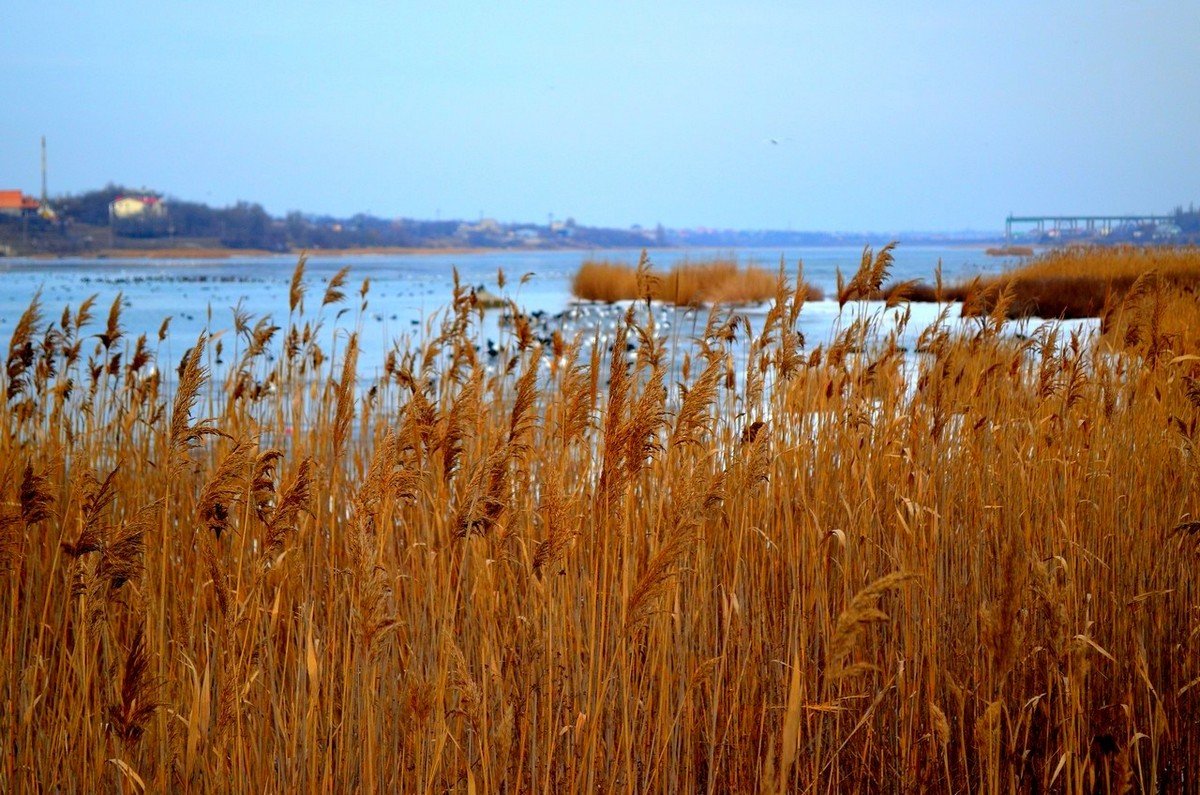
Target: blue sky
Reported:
point(886, 116)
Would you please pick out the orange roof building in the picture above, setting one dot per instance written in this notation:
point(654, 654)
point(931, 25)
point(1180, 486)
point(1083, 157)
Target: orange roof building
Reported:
point(13, 202)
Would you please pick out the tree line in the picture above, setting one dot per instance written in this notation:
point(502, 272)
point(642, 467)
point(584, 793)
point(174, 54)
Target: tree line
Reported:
point(84, 218)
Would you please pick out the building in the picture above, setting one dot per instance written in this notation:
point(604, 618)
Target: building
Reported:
point(17, 204)
point(137, 208)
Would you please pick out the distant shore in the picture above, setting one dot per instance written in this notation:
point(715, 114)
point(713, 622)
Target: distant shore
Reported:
point(193, 253)
point(186, 253)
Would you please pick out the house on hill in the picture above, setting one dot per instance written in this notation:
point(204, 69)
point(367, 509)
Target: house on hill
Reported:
point(16, 204)
point(137, 208)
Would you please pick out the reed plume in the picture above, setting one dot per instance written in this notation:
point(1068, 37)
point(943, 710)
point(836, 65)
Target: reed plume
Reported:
point(183, 434)
point(862, 611)
point(584, 566)
point(223, 490)
point(296, 498)
point(128, 718)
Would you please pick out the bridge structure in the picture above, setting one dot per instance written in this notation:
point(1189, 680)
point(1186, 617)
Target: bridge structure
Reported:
point(1076, 224)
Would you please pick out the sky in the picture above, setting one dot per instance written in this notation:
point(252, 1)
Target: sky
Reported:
point(754, 115)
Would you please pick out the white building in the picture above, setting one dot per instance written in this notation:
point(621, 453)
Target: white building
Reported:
point(128, 208)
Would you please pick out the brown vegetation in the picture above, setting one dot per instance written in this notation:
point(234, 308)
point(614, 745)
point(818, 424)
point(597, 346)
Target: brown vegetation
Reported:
point(841, 569)
point(179, 252)
point(714, 281)
point(1067, 283)
point(1009, 251)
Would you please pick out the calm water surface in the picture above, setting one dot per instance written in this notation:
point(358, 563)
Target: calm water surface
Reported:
point(405, 290)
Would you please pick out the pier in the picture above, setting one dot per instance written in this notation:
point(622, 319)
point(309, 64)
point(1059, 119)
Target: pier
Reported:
point(1077, 225)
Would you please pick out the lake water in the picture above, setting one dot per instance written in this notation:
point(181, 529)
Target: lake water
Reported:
point(405, 290)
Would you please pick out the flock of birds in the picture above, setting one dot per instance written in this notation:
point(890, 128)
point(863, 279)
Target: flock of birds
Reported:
point(194, 301)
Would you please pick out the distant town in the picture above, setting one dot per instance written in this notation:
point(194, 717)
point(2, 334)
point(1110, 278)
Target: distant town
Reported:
point(118, 220)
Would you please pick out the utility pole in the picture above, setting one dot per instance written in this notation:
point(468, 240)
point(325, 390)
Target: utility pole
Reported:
point(45, 196)
point(44, 210)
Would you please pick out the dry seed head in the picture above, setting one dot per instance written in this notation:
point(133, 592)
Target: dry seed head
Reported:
point(262, 482)
point(680, 530)
point(128, 718)
point(333, 291)
point(554, 514)
point(296, 290)
point(35, 496)
point(862, 611)
point(344, 413)
point(112, 330)
point(191, 378)
point(225, 488)
point(297, 498)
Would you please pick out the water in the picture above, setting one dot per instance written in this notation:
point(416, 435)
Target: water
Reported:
point(405, 290)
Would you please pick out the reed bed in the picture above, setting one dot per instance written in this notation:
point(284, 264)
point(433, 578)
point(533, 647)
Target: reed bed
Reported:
point(1067, 283)
point(846, 568)
point(720, 280)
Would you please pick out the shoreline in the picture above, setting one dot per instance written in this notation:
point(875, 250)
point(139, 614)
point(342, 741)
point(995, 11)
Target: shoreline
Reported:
point(191, 253)
point(186, 253)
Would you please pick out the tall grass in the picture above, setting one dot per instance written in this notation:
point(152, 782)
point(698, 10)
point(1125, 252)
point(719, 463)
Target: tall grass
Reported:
point(1067, 283)
point(841, 569)
point(713, 281)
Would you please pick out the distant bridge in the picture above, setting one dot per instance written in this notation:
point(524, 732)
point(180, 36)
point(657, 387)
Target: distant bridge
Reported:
point(1085, 223)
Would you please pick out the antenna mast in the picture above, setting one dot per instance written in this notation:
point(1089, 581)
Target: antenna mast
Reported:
point(45, 198)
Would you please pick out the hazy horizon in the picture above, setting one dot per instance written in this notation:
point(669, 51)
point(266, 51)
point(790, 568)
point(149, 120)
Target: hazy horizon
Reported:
point(755, 116)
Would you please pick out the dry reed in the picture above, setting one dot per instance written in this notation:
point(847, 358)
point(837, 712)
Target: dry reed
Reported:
point(845, 569)
point(713, 281)
point(1066, 283)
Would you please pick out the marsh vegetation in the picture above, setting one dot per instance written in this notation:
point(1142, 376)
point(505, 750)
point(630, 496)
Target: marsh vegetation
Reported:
point(717, 280)
point(844, 567)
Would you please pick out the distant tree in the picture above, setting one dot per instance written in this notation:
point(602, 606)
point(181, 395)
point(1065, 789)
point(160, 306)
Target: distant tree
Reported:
point(1188, 220)
point(91, 207)
point(248, 225)
point(298, 230)
point(192, 219)
point(245, 225)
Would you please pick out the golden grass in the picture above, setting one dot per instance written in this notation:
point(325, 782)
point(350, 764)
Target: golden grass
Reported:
point(1070, 283)
point(839, 570)
point(713, 281)
point(1009, 251)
